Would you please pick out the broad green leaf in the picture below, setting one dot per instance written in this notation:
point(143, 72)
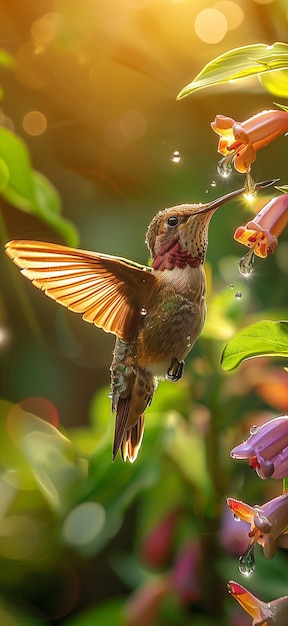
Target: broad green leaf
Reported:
point(275, 82)
point(19, 190)
point(48, 209)
point(239, 63)
point(4, 175)
point(265, 338)
point(28, 190)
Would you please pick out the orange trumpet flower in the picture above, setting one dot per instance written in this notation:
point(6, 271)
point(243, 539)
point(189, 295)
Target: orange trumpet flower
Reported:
point(263, 613)
point(239, 141)
point(260, 234)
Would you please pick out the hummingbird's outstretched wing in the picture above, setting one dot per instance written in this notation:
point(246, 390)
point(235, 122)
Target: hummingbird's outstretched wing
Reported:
point(110, 292)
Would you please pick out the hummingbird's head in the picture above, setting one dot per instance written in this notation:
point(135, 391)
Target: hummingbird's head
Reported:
point(178, 236)
point(179, 231)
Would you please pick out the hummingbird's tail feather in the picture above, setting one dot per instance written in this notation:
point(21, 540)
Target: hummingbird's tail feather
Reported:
point(132, 440)
point(122, 412)
point(138, 386)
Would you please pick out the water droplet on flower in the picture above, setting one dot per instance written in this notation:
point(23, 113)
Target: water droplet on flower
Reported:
point(231, 286)
point(176, 156)
point(213, 184)
point(246, 263)
point(254, 429)
point(143, 311)
point(238, 295)
point(247, 562)
point(236, 518)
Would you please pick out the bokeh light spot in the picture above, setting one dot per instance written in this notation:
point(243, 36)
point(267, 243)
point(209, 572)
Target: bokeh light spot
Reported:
point(42, 408)
point(113, 136)
point(232, 12)
point(84, 523)
point(210, 26)
point(34, 123)
point(46, 28)
point(133, 124)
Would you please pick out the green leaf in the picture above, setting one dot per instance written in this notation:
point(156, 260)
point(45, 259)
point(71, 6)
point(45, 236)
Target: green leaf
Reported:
point(48, 209)
point(239, 63)
point(19, 190)
point(276, 83)
point(4, 175)
point(29, 190)
point(264, 338)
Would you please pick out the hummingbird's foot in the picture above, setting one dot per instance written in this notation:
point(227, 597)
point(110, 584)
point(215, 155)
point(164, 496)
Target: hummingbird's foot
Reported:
point(175, 370)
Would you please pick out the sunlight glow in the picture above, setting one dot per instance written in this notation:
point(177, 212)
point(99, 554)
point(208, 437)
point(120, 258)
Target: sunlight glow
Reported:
point(211, 26)
point(232, 12)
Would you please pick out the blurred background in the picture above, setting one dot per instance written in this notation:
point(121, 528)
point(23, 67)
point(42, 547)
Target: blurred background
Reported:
point(90, 87)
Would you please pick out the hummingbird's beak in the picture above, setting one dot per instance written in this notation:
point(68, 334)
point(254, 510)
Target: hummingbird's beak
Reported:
point(233, 194)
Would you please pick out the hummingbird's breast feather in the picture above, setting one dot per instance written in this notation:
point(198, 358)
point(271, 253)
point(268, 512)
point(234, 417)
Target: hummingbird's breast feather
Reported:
point(178, 320)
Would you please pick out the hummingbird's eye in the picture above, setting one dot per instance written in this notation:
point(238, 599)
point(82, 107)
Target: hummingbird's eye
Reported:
point(172, 221)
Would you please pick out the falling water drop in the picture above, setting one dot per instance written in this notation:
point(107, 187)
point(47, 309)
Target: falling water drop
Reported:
point(247, 562)
point(224, 168)
point(213, 183)
point(238, 295)
point(246, 263)
point(143, 311)
point(176, 156)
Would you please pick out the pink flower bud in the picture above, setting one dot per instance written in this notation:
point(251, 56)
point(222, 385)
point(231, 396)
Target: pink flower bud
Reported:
point(266, 448)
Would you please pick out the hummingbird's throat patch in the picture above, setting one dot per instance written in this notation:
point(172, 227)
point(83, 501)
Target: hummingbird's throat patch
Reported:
point(172, 255)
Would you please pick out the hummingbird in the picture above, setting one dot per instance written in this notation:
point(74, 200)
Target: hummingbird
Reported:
point(157, 312)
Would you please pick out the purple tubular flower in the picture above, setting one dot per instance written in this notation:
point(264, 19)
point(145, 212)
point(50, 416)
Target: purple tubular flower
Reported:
point(266, 448)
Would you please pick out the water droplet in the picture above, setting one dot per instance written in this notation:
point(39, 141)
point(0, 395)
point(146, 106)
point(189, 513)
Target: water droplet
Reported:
point(247, 562)
point(176, 156)
point(224, 167)
point(238, 295)
point(143, 311)
point(213, 184)
point(254, 429)
point(188, 337)
point(236, 518)
point(206, 191)
point(246, 263)
point(231, 286)
point(189, 345)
